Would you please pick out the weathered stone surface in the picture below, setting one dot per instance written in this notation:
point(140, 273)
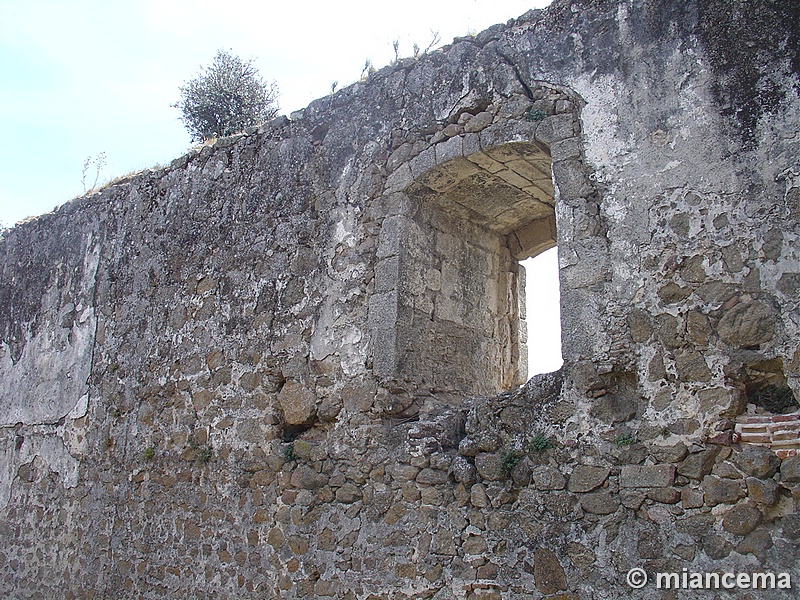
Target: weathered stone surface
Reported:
point(463, 471)
point(478, 496)
point(649, 544)
point(443, 543)
point(762, 491)
point(640, 326)
point(556, 128)
point(726, 402)
point(489, 466)
point(580, 555)
point(268, 353)
point(692, 269)
point(599, 503)
point(665, 495)
point(403, 472)
point(522, 472)
point(479, 122)
point(673, 293)
point(471, 446)
point(742, 519)
point(348, 493)
point(695, 525)
point(698, 328)
point(632, 498)
point(432, 477)
point(698, 464)
point(790, 469)
point(716, 292)
point(668, 331)
point(791, 526)
point(585, 478)
point(691, 366)
point(616, 407)
point(727, 470)
point(716, 546)
point(684, 426)
point(299, 404)
point(670, 454)
point(641, 476)
point(721, 491)
point(305, 477)
point(474, 544)
point(747, 324)
point(757, 461)
point(757, 543)
point(691, 498)
point(560, 504)
point(547, 572)
point(657, 370)
point(548, 478)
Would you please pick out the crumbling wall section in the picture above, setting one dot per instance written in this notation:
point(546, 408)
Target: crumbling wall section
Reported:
point(223, 378)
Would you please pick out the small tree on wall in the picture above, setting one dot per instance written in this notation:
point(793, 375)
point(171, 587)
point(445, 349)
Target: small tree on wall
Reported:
point(226, 97)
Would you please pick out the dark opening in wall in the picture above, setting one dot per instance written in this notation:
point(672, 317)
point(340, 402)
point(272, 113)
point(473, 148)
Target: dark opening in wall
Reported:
point(766, 386)
point(292, 432)
point(772, 418)
point(774, 398)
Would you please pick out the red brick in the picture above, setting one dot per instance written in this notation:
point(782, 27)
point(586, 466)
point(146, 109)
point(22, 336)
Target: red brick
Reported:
point(756, 438)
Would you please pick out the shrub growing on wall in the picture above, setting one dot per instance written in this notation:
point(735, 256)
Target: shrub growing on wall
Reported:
point(226, 97)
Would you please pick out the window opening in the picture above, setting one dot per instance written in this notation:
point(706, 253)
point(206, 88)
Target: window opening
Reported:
point(543, 313)
point(448, 313)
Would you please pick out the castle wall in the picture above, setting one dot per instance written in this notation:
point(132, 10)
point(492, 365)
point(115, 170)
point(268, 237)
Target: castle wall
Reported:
point(287, 364)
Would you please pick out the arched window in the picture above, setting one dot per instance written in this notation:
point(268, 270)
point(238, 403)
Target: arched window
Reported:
point(448, 312)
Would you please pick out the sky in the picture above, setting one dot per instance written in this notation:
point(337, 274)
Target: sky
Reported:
point(83, 77)
point(543, 313)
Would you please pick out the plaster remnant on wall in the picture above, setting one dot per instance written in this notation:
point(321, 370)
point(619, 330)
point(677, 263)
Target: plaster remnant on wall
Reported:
point(50, 449)
point(50, 377)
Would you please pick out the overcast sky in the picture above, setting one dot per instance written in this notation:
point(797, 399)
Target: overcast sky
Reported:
point(81, 77)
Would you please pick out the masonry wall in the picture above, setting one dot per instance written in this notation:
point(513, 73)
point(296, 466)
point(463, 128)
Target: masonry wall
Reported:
point(286, 365)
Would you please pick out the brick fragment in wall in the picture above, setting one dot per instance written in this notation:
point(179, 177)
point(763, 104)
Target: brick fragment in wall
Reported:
point(780, 433)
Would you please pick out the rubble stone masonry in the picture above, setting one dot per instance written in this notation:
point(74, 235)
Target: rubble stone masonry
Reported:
point(291, 364)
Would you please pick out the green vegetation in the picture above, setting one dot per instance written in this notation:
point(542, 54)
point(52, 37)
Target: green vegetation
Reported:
point(508, 460)
point(205, 454)
point(535, 115)
point(149, 453)
point(226, 98)
point(625, 439)
point(539, 443)
point(288, 453)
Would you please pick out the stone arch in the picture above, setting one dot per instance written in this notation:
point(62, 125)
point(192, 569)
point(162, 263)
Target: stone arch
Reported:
point(448, 312)
point(507, 188)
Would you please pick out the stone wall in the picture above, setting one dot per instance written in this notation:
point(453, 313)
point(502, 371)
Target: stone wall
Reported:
point(287, 364)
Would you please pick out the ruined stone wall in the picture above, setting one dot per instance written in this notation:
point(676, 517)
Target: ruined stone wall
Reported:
point(286, 365)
